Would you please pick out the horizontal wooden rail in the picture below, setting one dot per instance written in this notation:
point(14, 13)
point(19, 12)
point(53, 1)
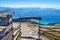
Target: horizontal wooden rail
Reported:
point(52, 30)
point(49, 28)
point(16, 36)
point(57, 37)
point(16, 33)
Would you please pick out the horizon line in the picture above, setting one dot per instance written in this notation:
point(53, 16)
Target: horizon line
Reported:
point(31, 7)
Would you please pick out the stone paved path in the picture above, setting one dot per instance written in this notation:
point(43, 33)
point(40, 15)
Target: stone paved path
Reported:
point(30, 33)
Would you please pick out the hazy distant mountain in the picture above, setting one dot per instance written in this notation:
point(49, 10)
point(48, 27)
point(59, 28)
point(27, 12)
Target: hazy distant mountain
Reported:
point(47, 14)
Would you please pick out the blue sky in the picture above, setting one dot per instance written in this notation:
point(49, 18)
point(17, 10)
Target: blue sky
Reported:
point(30, 3)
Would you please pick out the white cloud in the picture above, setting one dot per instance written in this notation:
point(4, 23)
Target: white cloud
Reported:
point(39, 5)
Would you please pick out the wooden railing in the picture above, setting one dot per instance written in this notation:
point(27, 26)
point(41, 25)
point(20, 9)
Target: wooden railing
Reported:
point(50, 35)
point(16, 33)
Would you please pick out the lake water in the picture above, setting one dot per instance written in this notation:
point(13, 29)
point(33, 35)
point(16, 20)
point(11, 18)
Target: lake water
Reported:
point(45, 22)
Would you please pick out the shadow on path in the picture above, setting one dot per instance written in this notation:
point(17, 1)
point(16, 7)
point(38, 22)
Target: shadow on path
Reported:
point(30, 38)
